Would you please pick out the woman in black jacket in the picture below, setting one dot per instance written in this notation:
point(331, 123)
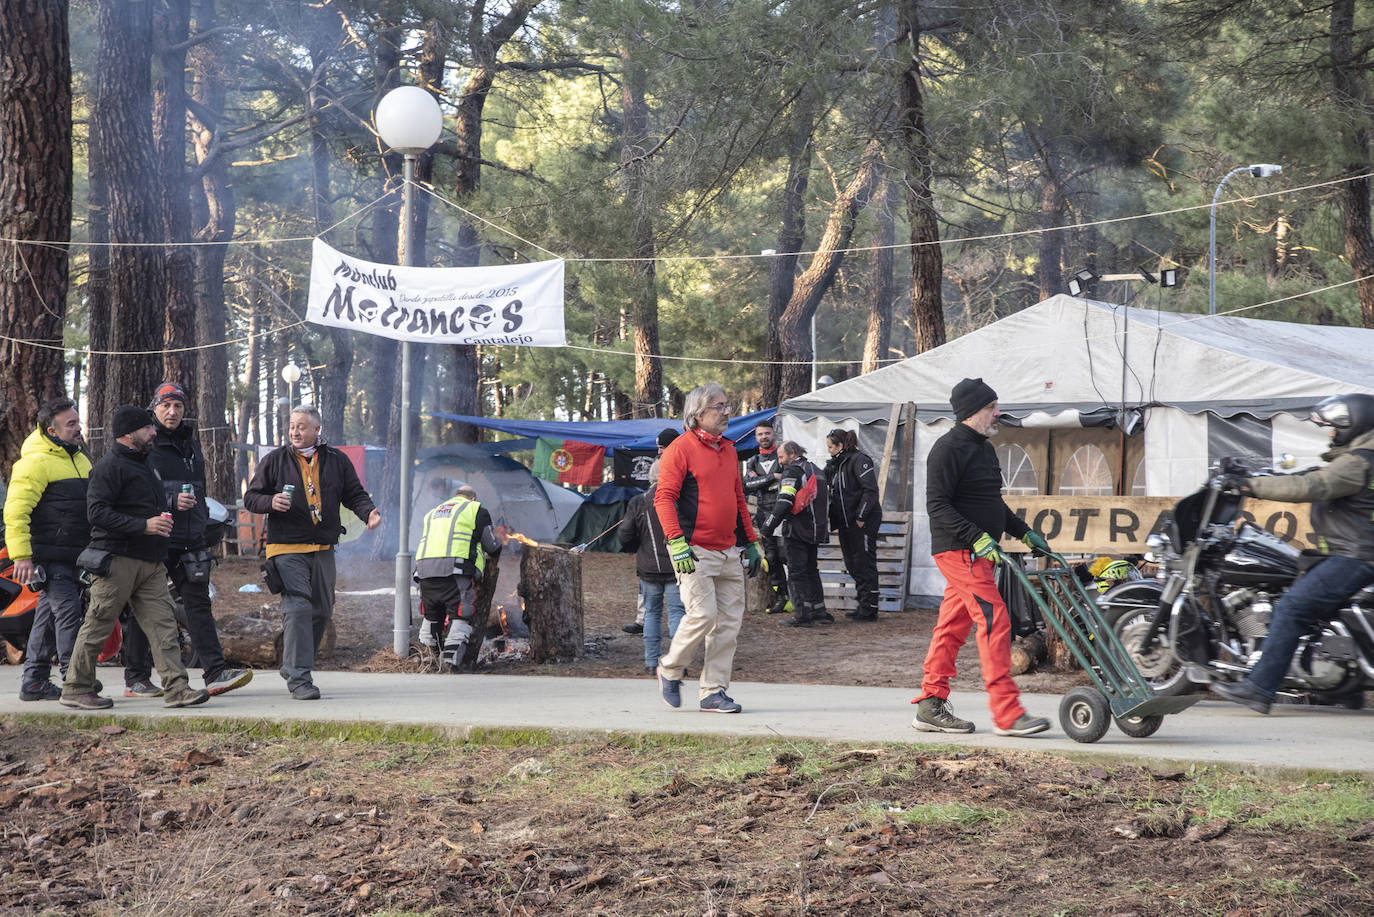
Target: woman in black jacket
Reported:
point(856, 515)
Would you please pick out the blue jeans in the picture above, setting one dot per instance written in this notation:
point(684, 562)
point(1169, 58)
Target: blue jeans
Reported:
point(1312, 602)
point(656, 596)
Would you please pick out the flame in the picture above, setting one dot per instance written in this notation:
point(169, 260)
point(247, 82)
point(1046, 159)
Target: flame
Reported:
point(523, 539)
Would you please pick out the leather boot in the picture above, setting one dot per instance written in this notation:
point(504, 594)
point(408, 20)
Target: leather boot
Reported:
point(779, 605)
point(801, 617)
point(820, 615)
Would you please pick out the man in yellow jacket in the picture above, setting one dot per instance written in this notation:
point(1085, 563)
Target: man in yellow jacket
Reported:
point(451, 558)
point(45, 530)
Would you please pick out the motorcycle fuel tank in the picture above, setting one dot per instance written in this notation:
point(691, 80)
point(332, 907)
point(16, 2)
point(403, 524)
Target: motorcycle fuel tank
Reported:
point(1257, 557)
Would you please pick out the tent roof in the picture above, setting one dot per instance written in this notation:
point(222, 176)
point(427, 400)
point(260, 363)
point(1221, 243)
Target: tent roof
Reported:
point(630, 434)
point(1066, 354)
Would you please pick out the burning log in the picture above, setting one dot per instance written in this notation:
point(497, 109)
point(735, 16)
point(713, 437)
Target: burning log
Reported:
point(551, 587)
point(481, 610)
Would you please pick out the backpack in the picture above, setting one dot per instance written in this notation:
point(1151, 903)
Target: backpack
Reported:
point(807, 493)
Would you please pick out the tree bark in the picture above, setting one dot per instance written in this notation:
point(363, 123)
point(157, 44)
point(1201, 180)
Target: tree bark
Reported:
point(122, 119)
point(35, 204)
point(217, 213)
point(1351, 90)
point(820, 273)
point(881, 286)
point(551, 587)
point(172, 25)
point(98, 306)
point(782, 271)
point(648, 394)
point(927, 261)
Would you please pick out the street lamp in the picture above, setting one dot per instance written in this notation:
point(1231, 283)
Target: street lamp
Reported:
point(409, 122)
point(291, 374)
point(1259, 170)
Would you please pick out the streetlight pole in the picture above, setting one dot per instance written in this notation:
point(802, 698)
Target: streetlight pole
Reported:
point(291, 374)
point(1259, 170)
point(409, 121)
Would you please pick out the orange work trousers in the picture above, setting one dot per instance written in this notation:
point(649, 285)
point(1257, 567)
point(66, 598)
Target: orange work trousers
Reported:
point(971, 599)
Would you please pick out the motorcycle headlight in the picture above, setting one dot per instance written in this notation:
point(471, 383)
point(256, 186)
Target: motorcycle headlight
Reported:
point(1155, 542)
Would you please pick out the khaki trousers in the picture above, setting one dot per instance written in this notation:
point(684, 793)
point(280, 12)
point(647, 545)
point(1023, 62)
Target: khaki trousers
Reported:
point(141, 584)
point(714, 597)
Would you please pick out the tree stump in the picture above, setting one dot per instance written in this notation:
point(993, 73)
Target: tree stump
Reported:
point(758, 593)
point(250, 640)
point(551, 588)
point(481, 611)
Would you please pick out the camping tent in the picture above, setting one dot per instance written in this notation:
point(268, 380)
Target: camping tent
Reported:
point(1096, 393)
point(565, 502)
point(596, 521)
point(515, 498)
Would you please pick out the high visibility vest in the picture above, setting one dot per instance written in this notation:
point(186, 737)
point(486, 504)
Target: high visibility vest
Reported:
point(447, 545)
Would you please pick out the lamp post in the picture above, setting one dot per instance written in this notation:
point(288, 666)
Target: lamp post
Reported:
point(409, 122)
point(1259, 170)
point(291, 374)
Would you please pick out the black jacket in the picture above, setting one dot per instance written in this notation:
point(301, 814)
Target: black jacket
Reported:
point(178, 460)
point(642, 533)
point(339, 486)
point(853, 491)
point(809, 523)
point(123, 494)
point(759, 481)
point(964, 492)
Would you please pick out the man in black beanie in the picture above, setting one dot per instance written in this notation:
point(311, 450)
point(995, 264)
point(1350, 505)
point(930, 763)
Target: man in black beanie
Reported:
point(967, 519)
point(129, 529)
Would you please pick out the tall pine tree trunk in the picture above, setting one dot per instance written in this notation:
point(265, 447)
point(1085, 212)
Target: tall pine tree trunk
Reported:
point(1351, 89)
point(878, 338)
point(35, 204)
point(98, 306)
point(927, 261)
point(172, 25)
point(783, 267)
point(216, 215)
point(648, 395)
point(123, 129)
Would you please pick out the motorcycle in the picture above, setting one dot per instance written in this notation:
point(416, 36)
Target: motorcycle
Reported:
point(1206, 614)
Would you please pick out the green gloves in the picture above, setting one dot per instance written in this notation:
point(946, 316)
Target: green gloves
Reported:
point(684, 561)
point(753, 560)
point(986, 547)
point(1036, 542)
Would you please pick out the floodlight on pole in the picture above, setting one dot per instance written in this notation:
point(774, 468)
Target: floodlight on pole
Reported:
point(1258, 170)
point(1081, 282)
point(408, 121)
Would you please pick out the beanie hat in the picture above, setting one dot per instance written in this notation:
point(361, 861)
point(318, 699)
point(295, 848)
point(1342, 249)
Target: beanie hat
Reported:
point(969, 397)
point(128, 418)
point(168, 391)
point(666, 436)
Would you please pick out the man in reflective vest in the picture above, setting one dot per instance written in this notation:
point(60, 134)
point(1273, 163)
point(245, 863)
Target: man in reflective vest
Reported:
point(451, 557)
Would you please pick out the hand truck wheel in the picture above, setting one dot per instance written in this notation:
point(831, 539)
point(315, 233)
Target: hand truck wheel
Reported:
point(1085, 714)
point(1139, 727)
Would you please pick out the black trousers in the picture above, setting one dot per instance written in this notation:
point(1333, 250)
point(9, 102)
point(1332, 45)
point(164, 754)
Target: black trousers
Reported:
point(803, 574)
point(199, 624)
point(774, 554)
point(860, 549)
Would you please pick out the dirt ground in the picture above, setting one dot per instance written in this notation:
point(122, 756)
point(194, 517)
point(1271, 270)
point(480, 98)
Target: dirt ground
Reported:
point(886, 653)
point(100, 819)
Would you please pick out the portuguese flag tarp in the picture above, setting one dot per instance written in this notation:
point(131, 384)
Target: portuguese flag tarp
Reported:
point(569, 462)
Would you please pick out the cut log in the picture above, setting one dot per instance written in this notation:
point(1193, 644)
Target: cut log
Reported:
point(551, 587)
point(1026, 653)
point(481, 611)
point(249, 640)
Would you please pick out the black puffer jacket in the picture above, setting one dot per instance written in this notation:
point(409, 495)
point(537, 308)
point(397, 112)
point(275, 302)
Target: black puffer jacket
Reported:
point(642, 533)
point(339, 486)
point(178, 460)
point(123, 494)
point(964, 492)
point(853, 491)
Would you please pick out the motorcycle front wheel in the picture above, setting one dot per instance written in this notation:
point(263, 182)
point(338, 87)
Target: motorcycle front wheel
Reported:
point(1128, 610)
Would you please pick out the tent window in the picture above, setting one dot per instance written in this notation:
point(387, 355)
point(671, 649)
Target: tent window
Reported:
point(1138, 481)
point(1086, 474)
point(1018, 473)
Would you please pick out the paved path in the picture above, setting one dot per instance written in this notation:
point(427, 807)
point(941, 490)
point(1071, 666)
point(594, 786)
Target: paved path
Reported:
point(1210, 732)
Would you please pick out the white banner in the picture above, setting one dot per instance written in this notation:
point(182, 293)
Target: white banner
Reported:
point(501, 304)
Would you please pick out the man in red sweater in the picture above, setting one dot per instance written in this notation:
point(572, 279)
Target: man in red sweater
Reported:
point(700, 503)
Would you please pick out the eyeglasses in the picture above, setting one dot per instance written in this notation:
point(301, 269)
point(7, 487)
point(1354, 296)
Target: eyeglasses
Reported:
point(720, 407)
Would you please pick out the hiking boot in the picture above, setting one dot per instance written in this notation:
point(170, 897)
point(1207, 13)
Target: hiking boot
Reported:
point(1242, 692)
point(142, 688)
point(452, 661)
point(44, 690)
point(820, 615)
point(306, 691)
point(798, 620)
point(719, 702)
point(780, 605)
point(1025, 725)
point(671, 689)
point(633, 628)
point(228, 680)
point(934, 714)
point(186, 697)
point(862, 614)
point(90, 701)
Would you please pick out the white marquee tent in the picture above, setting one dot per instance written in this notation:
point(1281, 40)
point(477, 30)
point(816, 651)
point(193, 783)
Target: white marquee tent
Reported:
point(1191, 389)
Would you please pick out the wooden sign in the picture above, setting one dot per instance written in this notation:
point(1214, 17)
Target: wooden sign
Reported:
point(1119, 525)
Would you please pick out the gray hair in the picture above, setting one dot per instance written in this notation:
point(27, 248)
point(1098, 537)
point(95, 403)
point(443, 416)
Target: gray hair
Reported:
point(695, 404)
point(653, 473)
point(310, 411)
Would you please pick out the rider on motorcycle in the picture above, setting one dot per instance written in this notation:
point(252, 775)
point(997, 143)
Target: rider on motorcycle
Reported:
point(1342, 492)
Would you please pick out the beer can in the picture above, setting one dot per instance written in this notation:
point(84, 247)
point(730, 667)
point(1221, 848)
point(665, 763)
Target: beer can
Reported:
point(287, 490)
point(187, 489)
point(167, 516)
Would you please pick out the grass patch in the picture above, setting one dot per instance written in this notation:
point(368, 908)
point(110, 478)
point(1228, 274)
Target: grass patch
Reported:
point(1263, 804)
point(951, 815)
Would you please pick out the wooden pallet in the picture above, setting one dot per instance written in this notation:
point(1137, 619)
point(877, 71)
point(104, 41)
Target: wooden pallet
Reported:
point(894, 553)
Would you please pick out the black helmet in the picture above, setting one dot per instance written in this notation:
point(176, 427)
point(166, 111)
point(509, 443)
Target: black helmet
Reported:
point(1351, 415)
